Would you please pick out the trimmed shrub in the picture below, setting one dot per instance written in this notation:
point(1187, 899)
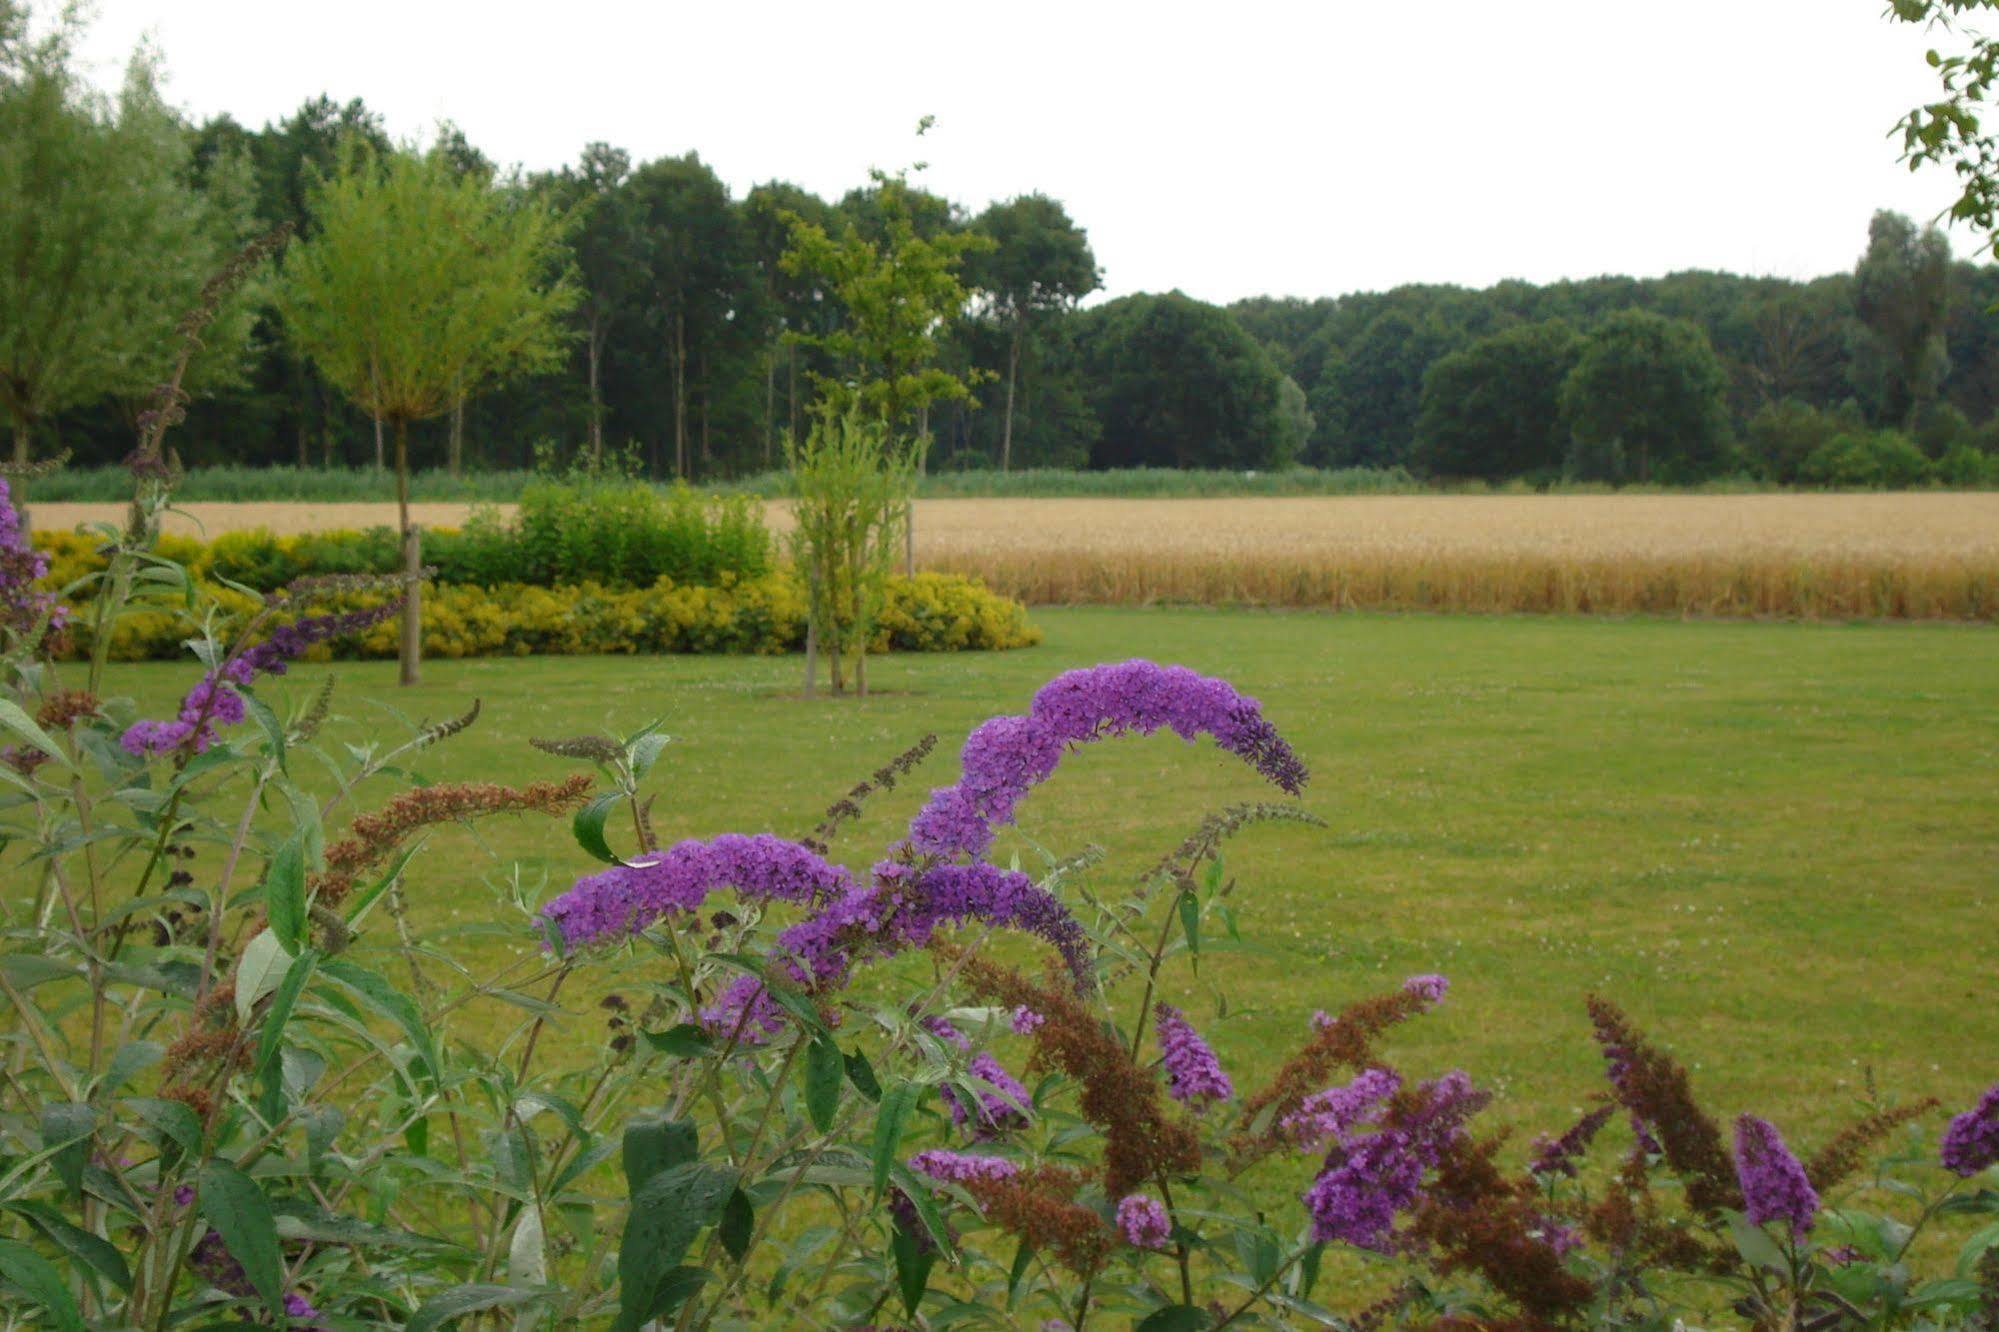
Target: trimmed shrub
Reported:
point(1885, 460)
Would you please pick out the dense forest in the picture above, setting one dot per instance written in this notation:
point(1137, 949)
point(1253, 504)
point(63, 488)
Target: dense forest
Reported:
point(693, 349)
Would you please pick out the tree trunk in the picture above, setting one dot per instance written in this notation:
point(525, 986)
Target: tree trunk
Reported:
point(595, 351)
point(411, 647)
point(19, 485)
point(399, 451)
point(679, 394)
point(791, 390)
point(304, 453)
point(770, 403)
point(707, 454)
point(861, 669)
point(456, 449)
point(20, 441)
point(1006, 419)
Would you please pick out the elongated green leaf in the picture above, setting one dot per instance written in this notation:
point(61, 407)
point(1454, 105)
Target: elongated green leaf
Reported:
point(358, 905)
point(1190, 922)
point(588, 825)
point(284, 895)
point(665, 1216)
point(686, 1041)
point(645, 751)
point(1177, 1318)
point(462, 1300)
point(231, 1202)
point(392, 1003)
point(898, 1103)
point(176, 1128)
point(825, 1068)
point(270, 1040)
point(66, 1128)
point(912, 1269)
point(862, 1074)
point(258, 972)
point(21, 724)
point(738, 1222)
point(267, 721)
point(90, 1251)
point(132, 1059)
point(654, 1144)
point(22, 1267)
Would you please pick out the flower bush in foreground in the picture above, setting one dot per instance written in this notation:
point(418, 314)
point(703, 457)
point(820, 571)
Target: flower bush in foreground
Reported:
point(240, 1089)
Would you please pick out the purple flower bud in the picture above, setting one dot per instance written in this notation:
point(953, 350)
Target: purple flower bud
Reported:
point(1193, 1073)
point(1144, 1222)
point(1774, 1185)
point(1971, 1141)
point(957, 1167)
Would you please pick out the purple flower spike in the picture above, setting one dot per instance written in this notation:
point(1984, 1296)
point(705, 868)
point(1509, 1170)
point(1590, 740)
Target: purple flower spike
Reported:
point(1193, 1073)
point(1144, 1222)
point(957, 1167)
point(626, 899)
point(22, 608)
point(1337, 1111)
point(1774, 1186)
point(1368, 1179)
point(1431, 989)
point(1007, 757)
point(1971, 1142)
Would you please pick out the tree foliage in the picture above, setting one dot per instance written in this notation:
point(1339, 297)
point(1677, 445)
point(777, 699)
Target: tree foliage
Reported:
point(1646, 401)
point(1492, 410)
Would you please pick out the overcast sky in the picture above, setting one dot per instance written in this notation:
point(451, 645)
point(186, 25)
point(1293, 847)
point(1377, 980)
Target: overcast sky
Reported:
point(1227, 149)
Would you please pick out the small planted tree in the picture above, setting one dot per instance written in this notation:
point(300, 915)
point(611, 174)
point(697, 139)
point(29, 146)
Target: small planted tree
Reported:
point(850, 487)
point(421, 283)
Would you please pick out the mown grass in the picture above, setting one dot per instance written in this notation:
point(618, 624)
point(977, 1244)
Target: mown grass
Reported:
point(1774, 843)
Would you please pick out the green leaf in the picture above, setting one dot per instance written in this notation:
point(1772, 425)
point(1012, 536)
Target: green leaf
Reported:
point(231, 1202)
point(66, 1128)
point(1177, 1318)
point(645, 751)
point(392, 1003)
point(267, 720)
point(358, 905)
point(258, 972)
point(912, 1269)
point(1754, 1244)
point(270, 1039)
point(917, 1190)
point(21, 724)
point(686, 1041)
point(284, 895)
point(132, 1059)
point(462, 1300)
point(898, 1103)
point(588, 826)
point(88, 1250)
point(738, 1222)
point(666, 1214)
point(176, 1128)
point(862, 1074)
point(655, 1144)
point(1190, 922)
point(825, 1068)
point(27, 1270)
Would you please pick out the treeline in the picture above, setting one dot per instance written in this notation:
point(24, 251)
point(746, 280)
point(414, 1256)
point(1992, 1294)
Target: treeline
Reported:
point(694, 351)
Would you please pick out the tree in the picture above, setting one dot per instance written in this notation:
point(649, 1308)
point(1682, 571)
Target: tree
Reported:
point(1176, 382)
point(104, 242)
point(793, 304)
point(1949, 130)
point(1039, 266)
point(1379, 383)
point(1493, 409)
point(693, 264)
point(1901, 290)
point(896, 295)
point(420, 284)
point(1648, 397)
point(604, 240)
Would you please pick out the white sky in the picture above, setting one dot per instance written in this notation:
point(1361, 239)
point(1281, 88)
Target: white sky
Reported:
point(1228, 149)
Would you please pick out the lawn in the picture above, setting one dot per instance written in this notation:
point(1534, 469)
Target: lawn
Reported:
point(1774, 843)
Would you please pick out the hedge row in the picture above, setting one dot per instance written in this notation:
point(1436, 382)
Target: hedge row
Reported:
point(927, 613)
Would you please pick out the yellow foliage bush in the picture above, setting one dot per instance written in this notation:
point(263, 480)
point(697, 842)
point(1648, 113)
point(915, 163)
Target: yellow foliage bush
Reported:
point(928, 613)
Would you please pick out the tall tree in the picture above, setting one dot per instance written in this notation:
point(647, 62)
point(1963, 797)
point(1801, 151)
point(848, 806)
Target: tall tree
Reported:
point(693, 265)
point(797, 306)
point(1649, 396)
point(1039, 266)
point(1493, 409)
point(420, 284)
point(1176, 382)
point(104, 240)
point(604, 238)
point(1902, 292)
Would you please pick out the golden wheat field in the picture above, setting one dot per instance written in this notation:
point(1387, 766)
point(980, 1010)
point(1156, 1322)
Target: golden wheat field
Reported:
point(1916, 556)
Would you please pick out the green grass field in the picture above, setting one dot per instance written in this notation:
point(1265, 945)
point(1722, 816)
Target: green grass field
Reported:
point(1776, 844)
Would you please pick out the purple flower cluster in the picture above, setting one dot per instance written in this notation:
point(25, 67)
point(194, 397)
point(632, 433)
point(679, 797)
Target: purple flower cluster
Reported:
point(22, 608)
point(957, 1167)
point(1025, 1021)
point(1007, 757)
point(1774, 1186)
point(1193, 1073)
point(1334, 1112)
point(214, 701)
point(1971, 1141)
point(1369, 1178)
point(1004, 1107)
point(625, 899)
point(1431, 989)
point(1144, 1222)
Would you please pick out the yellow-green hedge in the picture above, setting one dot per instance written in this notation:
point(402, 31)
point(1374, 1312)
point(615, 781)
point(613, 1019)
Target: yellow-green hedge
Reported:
point(928, 613)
